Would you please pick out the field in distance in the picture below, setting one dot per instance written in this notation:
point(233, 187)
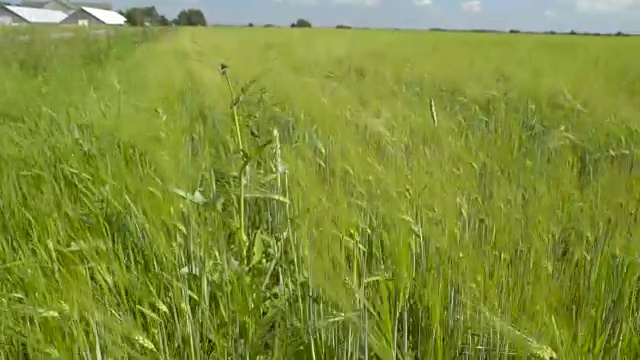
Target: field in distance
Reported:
point(271, 193)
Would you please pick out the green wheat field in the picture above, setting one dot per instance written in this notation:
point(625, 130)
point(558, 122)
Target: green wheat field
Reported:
point(236, 193)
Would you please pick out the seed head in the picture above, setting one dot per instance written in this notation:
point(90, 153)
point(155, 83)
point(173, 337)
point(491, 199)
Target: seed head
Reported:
point(223, 68)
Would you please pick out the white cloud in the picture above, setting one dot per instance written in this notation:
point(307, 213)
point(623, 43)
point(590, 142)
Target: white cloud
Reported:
point(423, 2)
point(357, 2)
point(298, 2)
point(605, 5)
point(472, 6)
point(550, 13)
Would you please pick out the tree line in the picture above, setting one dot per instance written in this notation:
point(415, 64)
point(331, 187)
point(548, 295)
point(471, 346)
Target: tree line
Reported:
point(149, 16)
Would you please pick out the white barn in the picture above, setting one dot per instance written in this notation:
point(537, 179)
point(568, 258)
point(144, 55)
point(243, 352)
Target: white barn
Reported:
point(65, 6)
point(86, 16)
point(18, 15)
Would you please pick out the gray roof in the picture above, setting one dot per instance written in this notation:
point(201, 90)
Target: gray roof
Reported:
point(37, 16)
point(91, 4)
point(72, 5)
point(108, 17)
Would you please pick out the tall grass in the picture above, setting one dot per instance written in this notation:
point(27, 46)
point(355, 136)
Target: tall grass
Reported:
point(301, 201)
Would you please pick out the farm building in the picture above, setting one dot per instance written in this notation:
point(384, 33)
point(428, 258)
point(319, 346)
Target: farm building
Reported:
point(91, 16)
point(18, 15)
point(65, 6)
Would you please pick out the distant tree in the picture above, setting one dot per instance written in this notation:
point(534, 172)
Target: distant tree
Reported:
point(552, 32)
point(190, 17)
point(573, 32)
point(141, 16)
point(250, 24)
point(620, 33)
point(301, 23)
point(343, 27)
point(514, 31)
point(163, 21)
point(269, 26)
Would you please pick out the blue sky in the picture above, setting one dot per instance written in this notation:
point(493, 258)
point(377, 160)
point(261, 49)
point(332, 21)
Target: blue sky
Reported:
point(560, 15)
